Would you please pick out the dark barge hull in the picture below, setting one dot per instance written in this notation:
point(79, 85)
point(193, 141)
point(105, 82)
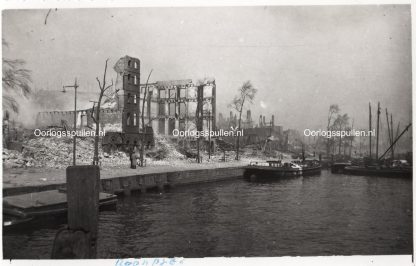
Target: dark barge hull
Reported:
point(268, 172)
point(338, 168)
point(372, 171)
point(20, 209)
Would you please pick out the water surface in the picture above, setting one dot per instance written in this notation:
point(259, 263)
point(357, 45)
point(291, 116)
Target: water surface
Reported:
point(303, 216)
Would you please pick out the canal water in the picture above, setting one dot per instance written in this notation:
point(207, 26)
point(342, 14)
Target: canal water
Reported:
point(303, 216)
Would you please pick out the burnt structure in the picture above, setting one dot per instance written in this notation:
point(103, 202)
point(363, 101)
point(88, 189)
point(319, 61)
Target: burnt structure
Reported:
point(128, 101)
point(173, 105)
point(169, 105)
point(264, 135)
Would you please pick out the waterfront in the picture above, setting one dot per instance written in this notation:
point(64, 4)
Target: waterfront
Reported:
point(304, 216)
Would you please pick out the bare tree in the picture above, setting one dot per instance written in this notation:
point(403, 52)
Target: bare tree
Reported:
point(142, 118)
point(246, 94)
point(341, 123)
point(103, 88)
point(333, 110)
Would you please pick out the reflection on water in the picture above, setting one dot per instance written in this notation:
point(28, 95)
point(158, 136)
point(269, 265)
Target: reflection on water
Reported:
point(319, 215)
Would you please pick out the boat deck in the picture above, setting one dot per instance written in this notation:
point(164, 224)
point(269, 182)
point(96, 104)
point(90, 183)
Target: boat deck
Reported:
point(44, 203)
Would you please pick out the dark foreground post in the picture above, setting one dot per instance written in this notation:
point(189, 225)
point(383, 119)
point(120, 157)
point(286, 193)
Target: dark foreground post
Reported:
point(78, 241)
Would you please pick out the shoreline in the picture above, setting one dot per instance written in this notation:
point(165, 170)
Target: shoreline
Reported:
point(116, 180)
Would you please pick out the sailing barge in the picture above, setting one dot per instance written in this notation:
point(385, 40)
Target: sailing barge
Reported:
point(277, 169)
point(376, 166)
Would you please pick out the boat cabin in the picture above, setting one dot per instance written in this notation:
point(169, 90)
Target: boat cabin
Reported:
point(275, 163)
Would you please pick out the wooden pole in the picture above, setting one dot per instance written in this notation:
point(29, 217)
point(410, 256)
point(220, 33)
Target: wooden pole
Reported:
point(79, 240)
point(75, 86)
point(75, 122)
point(209, 136)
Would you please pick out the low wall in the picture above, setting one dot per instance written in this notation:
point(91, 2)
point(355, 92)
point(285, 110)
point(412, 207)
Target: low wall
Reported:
point(126, 184)
point(143, 182)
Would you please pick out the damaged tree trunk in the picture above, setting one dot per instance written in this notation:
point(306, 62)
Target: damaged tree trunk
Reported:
point(96, 118)
point(143, 125)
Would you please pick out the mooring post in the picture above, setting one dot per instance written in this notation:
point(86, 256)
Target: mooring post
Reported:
point(79, 240)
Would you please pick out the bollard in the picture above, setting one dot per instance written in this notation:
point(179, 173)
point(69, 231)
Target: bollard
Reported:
point(78, 241)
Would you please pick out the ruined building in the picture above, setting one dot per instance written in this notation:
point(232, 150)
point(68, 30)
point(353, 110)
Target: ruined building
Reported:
point(169, 104)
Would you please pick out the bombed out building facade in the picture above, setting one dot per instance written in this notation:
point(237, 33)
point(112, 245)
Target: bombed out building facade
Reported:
point(168, 105)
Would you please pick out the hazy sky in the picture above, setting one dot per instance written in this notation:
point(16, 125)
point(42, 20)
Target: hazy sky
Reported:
point(301, 59)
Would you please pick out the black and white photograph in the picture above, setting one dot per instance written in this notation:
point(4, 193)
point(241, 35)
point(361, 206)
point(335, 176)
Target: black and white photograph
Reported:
point(157, 135)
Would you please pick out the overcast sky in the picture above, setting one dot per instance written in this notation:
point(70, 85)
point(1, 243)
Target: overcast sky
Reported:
point(301, 59)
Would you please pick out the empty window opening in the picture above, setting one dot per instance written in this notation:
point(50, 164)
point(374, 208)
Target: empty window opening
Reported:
point(128, 119)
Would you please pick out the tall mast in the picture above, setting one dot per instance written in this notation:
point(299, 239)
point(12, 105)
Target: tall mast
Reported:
point(388, 128)
point(392, 134)
point(352, 128)
point(369, 108)
point(394, 142)
point(378, 127)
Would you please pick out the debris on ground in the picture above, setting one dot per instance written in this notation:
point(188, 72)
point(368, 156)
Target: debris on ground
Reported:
point(54, 152)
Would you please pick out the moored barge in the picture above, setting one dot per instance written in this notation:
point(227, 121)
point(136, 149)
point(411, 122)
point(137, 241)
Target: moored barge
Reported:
point(277, 169)
point(379, 171)
point(24, 208)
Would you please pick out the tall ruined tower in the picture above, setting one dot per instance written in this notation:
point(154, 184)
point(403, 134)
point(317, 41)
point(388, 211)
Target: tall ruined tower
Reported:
point(128, 70)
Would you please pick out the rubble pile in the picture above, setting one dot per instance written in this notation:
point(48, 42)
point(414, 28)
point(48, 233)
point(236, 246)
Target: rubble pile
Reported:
point(55, 152)
point(165, 150)
point(15, 159)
